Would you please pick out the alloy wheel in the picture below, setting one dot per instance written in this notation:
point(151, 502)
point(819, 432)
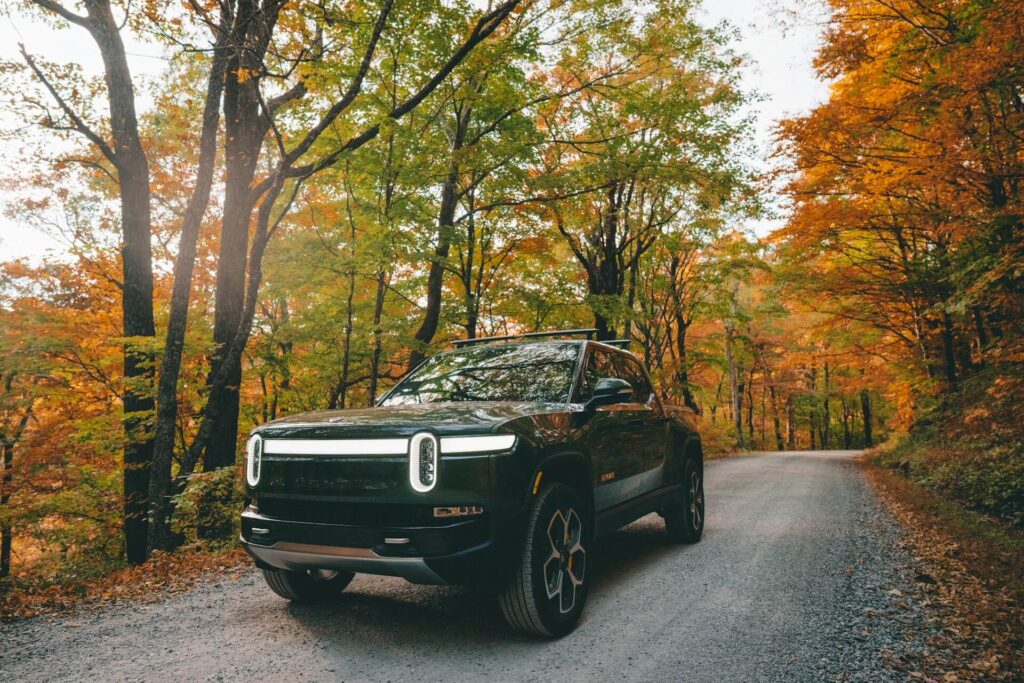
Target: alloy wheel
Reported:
point(696, 500)
point(566, 563)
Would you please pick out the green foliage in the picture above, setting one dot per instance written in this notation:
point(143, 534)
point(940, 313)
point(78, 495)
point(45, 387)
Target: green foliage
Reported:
point(207, 509)
point(970, 447)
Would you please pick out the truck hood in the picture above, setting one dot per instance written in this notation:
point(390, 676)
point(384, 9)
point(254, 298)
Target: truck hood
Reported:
point(462, 417)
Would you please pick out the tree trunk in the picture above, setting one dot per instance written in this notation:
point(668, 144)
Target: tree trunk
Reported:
point(750, 406)
point(245, 127)
point(6, 531)
point(137, 273)
point(435, 277)
point(734, 388)
point(948, 351)
point(445, 229)
point(826, 419)
point(978, 317)
point(378, 310)
point(846, 423)
point(340, 392)
point(471, 302)
point(865, 409)
point(790, 423)
point(160, 489)
point(683, 373)
point(634, 267)
point(776, 421)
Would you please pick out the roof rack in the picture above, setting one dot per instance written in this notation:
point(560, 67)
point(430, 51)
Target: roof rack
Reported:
point(587, 332)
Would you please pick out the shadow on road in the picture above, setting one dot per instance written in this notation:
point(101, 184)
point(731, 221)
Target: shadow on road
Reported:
point(393, 610)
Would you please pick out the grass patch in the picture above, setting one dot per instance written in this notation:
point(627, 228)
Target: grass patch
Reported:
point(969, 446)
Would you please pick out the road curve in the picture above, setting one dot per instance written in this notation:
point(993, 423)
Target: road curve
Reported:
point(798, 577)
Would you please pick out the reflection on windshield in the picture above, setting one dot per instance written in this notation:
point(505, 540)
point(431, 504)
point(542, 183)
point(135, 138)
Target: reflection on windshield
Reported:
point(529, 372)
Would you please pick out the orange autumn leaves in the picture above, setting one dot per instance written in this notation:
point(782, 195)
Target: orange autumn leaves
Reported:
point(907, 181)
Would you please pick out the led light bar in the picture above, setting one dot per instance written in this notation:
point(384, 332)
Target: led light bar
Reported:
point(253, 459)
point(336, 446)
point(451, 445)
point(423, 461)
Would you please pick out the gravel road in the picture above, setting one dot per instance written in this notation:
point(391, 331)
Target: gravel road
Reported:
point(800, 576)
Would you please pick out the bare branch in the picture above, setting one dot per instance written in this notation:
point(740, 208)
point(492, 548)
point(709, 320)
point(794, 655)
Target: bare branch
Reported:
point(62, 12)
point(483, 28)
point(79, 125)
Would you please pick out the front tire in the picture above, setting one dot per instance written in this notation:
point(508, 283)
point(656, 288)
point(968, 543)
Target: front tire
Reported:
point(308, 587)
point(548, 590)
point(685, 521)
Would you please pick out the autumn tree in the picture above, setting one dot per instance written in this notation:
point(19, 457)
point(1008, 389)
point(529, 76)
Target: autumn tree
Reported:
point(907, 192)
point(653, 144)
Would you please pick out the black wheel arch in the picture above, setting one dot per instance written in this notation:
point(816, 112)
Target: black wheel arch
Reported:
point(686, 446)
point(569, 467)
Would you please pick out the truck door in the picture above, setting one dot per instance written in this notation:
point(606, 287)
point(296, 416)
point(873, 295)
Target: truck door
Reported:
point(650, 426)
point(618, 437)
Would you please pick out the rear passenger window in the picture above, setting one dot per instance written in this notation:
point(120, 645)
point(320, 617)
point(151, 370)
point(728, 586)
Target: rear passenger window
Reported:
point(601, 364)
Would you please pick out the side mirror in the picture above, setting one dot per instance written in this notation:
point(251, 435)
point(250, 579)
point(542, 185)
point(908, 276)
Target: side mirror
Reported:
point(609, 390)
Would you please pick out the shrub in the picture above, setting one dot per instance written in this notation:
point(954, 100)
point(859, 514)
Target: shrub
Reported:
point(207, 510)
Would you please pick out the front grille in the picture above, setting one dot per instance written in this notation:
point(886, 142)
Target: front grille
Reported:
point(354, 514)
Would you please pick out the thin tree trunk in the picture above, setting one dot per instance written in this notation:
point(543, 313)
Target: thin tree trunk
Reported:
point(846, 422)
point(865, 409)
point(160, 495)
point(6, 531)
point(137, 274)
point(264, 393)
point(776, 420)
point(634, 267)
point(790, 423)
point(378, 309)
point(435, 277)
point(340, 392)
point(683, 373)
point(471, 303)
point(445, 228)
point(826, 433)
point(733, 385)
point(750, 406)
point(245, 127)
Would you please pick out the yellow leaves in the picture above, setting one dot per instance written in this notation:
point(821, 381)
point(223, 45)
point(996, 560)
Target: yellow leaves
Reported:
point(243, 74)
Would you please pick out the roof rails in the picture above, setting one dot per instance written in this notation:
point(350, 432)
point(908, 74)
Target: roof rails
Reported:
point(621, 343)
point(587, 332)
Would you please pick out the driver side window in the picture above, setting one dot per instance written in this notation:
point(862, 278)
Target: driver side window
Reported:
point(629, 369)
point(599, 365)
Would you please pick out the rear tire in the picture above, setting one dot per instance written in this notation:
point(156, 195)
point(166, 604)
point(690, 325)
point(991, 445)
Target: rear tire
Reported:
point(684, 522)
point(548, 590)
point(313, 586)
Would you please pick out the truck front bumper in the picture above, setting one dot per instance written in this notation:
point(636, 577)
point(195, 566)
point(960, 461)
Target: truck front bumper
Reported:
point(302, 556)
point(470, 550)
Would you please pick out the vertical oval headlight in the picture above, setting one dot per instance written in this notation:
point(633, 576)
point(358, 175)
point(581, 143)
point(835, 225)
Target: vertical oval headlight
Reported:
point(423, 462)
point(253, 459)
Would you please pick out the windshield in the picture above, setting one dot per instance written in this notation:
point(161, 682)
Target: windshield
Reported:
point(527, 372)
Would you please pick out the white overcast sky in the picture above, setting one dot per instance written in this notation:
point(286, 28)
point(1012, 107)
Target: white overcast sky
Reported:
point(778, 38)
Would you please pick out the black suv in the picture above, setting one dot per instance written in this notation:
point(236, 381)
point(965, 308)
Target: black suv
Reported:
point(495, 465)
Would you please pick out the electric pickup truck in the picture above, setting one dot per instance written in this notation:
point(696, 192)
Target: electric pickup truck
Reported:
point(494, 465)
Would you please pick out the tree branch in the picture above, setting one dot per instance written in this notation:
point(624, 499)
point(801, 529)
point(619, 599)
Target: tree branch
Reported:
point(62, 12)
point(79, 125)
